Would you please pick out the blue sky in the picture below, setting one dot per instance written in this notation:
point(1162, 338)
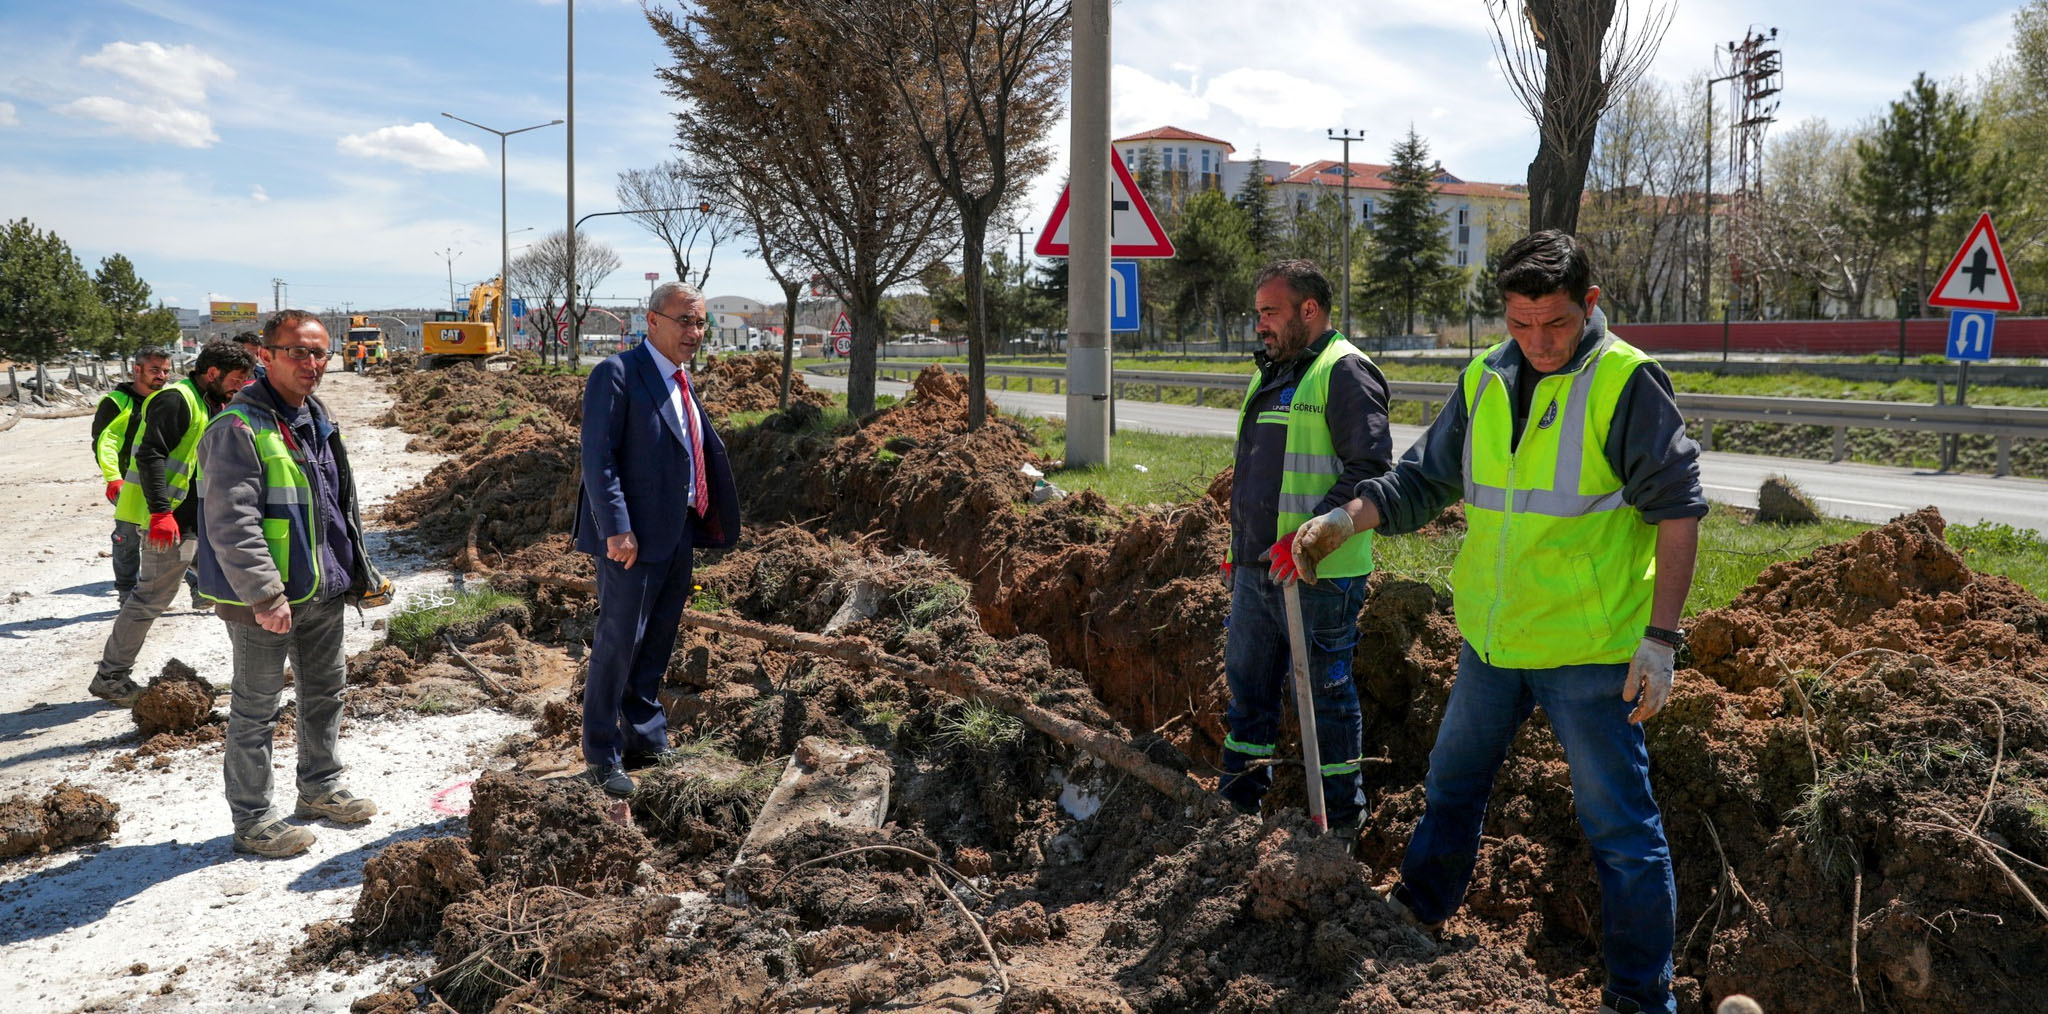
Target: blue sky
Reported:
point(221, 144)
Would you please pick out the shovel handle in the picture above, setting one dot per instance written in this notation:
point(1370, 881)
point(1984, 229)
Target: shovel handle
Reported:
point(1305, 707)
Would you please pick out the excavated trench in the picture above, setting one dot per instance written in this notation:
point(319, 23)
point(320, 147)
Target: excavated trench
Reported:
point(1859, 740)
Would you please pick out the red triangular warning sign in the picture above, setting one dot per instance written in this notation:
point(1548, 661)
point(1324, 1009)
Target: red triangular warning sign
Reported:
point(1977, 279)
point(1133, 230)
point(842, 325)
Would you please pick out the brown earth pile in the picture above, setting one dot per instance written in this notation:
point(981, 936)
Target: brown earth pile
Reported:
point(1780, 501)
point(750, 383)
point(176, 701)
point(65, 815)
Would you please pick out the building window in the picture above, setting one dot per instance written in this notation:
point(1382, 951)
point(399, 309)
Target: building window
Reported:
point(1365, 211)
point(1183, 160)
point(1461, 216)
point(1205, 161)
point(1461, 258)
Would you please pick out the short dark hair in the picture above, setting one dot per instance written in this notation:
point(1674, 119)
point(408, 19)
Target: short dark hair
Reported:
point(1302, 277)
point(1545, 262)
point(151, 352)
point(286, 320)
point(225, 353)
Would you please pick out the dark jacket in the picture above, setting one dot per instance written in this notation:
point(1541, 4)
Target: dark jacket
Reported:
point(1646, 446)
point(637, 470)
point(231, 486)
point(1357, 418)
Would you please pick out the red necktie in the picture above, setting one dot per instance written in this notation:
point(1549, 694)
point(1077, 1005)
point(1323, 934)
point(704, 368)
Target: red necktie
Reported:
point(700, 494)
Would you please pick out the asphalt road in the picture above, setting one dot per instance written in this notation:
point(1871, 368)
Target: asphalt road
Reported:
point(1864, 492)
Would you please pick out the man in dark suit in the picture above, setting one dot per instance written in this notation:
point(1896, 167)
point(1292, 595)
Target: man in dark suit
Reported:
point(656, 485)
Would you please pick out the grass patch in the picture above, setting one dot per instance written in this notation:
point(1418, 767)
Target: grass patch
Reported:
point(434, 702)
point(1176, 468)
point(1819, 815)
point(414, 628)
point(1994, 548)
point(977, 727)
point(702, 782)
point(927, 605)
point(706, 600)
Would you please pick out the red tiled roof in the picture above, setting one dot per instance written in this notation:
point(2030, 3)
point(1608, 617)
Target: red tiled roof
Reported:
point(1368, 176)
point(1174, 134)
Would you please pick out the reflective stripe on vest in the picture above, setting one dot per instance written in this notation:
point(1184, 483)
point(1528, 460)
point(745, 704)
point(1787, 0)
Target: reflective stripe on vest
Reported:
point(1556, 568)
point(181, 467)
point(289, 530)
point(1311, 465)
point(107, 449)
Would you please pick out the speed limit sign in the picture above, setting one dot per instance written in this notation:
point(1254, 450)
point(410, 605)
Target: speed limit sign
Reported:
point(843, 345)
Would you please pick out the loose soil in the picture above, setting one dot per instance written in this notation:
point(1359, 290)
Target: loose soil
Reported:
point(66, 815)
point(1853, 770)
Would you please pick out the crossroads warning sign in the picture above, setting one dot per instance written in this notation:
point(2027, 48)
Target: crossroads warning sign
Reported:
point(1133, 230)
point(1977, 279)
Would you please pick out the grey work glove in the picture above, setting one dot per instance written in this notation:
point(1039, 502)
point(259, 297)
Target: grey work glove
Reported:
point(1318, 538)
point(1649, 675)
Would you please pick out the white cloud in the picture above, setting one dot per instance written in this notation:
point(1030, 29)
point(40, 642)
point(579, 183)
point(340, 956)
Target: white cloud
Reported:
point(1274, 98)
point(7, 117)
point(1140, 101)
point(259, 195)
point(419, 145)
point(178, 75)
point(186, 128)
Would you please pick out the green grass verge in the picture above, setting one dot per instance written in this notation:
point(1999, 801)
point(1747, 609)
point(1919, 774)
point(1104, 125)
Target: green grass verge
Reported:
point(414, 627)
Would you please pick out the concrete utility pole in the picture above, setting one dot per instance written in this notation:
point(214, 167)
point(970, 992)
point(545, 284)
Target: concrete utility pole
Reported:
point(449, 256)
point(1088, 367)
point(569, 311)
point(276, 294)
point(1346, 137)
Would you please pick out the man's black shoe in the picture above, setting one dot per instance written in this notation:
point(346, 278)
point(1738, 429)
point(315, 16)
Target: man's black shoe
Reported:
point(638, 759)
point(611, 778)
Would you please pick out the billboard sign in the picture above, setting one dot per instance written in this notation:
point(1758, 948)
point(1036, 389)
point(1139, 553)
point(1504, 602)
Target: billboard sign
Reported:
point(231, 313)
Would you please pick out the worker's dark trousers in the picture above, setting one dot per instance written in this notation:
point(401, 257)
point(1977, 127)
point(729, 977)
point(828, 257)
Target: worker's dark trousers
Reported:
point(1259, 665)
point(127, 540)
point(1610, 772)
point(639, 609)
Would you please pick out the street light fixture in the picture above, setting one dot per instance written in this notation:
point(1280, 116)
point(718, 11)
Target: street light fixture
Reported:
point(575, 322)
point(1345, 138)
point(504, 236)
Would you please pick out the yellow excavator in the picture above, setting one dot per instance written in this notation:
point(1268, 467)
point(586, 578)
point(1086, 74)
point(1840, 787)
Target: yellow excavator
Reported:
point(451, 338)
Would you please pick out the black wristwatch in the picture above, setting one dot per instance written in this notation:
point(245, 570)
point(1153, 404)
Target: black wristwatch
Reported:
point(1675, 639)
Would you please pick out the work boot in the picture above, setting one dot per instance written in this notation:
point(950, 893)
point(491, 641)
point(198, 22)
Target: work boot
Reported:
point(274, 839)
point(119, 691)
point(1429, 930)
point(340, 806)
point(611, 778)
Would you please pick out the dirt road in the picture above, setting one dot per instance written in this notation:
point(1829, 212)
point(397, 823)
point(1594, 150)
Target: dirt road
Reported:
point(164, 916)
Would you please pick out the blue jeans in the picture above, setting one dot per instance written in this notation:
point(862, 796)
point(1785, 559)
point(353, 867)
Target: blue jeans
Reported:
point(1610, 772)
point(1259, 666)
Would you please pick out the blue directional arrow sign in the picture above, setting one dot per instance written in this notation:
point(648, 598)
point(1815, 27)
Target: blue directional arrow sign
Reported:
point(1969, 335)
point(1123, 296)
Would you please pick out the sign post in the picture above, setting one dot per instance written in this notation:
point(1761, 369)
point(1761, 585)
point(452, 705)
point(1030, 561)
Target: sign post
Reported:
point(1977, 285)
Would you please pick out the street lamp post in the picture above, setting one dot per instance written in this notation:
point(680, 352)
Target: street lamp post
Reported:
point(1345, 137)
point(504, 236)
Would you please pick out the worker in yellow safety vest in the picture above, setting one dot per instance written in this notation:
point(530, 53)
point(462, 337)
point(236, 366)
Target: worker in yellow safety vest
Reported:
point(1582, 510)
point(113, 443)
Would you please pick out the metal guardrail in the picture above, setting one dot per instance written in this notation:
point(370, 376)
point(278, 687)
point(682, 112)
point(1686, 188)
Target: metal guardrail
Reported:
point(2002, 423)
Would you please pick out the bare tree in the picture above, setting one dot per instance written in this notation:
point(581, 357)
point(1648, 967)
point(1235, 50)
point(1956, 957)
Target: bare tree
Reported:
point(822, 130)
point(981, 82)
point(1565, 60)
point(543, 270)
point(1806, 236)
point(678, 214)
point(741, 194)
point(1642, 214)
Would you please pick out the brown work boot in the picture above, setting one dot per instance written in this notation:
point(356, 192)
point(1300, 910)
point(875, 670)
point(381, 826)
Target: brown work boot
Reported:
point(120, 692)
point(1430, 930)
point(340, 806)
point(274, 839)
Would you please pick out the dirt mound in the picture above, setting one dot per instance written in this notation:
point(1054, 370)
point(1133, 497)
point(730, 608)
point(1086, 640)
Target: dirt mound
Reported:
point(65, 815)
point(406, 886)
point(176, 701)
point(750, 383)
point(1780, 501)
point(529, 832)
point(517, 488)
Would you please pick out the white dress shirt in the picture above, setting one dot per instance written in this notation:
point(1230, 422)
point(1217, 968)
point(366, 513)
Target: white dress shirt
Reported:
point(675, 401)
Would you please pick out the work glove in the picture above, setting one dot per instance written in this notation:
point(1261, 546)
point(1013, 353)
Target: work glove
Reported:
point(379, 596)
point(163, 531)
point(114, 491)
point(1315, 540)
point(1649, 675)
point(1229, 575)
point(1281, 560)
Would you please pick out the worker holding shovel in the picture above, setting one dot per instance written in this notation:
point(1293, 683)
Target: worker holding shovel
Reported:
point(1313, 425)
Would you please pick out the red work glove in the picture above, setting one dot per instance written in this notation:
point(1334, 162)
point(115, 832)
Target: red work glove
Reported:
point(114, 491)
point(1281, 556)
point(1229, 574)
point(163, 531)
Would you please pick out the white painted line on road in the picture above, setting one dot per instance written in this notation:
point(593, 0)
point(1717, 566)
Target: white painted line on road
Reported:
point(1750, 494)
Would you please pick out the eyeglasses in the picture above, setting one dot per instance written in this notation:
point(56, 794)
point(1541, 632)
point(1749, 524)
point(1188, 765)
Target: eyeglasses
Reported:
point(686, 323)
point(300, 353)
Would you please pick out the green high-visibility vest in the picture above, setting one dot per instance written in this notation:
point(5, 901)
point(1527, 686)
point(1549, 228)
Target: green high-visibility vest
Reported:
point(1556, 568)
point(289, 528)
point(181, 468)
point(107, 450)
point(1312, 465)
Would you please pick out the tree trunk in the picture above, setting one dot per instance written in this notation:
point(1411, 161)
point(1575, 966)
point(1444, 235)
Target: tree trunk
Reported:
point(973, 235)
point(789, 291)
point(864, 304)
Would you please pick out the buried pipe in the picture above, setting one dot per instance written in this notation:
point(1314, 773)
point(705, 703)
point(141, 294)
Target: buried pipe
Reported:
point(950, 679)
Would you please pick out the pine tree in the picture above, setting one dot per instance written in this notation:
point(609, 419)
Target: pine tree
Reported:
point(1213, 260)
point(47, 301)
point(126, 299)
point(1409, 260)
point(1255, 197)
point(1919, 179)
